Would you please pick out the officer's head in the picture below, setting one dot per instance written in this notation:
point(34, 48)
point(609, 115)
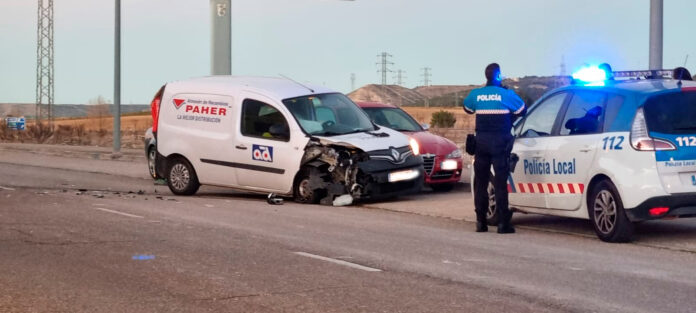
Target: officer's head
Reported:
point(493, 74)
point(681, 74)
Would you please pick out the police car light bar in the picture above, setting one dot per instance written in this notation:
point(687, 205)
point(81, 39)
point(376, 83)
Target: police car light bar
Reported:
point(643, 74)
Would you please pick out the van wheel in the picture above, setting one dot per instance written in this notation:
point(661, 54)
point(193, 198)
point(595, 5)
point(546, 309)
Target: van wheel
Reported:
point(492, 217)
point(607, 214)
point(151, 153)
point(303, 192)
point(181, 178)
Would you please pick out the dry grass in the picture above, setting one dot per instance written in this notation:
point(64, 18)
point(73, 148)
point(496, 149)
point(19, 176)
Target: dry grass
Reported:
point(423, 115)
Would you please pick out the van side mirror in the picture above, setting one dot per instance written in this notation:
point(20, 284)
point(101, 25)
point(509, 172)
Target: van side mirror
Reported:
point(279, 131)
point(425, 126)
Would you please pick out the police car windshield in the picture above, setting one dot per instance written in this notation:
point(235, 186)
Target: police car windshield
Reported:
point(673, 113)
point(330, 114)
point(393, 118)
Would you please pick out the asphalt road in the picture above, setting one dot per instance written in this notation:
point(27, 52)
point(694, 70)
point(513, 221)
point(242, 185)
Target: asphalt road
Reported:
point(77, 241)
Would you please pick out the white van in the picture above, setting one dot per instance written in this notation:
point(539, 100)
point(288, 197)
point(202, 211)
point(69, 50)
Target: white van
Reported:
point(274, 135)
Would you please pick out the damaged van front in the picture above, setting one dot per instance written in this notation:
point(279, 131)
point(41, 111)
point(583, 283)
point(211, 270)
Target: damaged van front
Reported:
point(349, 157)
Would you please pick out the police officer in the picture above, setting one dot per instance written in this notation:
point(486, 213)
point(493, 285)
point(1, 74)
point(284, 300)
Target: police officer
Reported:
point(494, 106)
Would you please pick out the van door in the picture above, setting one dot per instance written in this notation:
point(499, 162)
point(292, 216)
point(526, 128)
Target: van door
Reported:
point(572, 153)
point(267, 156)
point(533, 136)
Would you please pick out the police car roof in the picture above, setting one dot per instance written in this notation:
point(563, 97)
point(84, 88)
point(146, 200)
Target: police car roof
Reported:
point(643, 86)
point(279, 88)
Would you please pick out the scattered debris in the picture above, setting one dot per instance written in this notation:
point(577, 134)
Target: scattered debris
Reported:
point(343, 200)
point(141, 192)
point(82, 190)
point(160, 197)
point(274, 199)
point(143, 257)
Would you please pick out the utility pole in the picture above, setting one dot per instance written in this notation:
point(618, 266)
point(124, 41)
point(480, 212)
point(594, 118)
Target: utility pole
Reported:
point(44, 62)
point(220, 37)
point(563, 66)
point(385, 66)
point(400, 77)
point(352, 81)
point(656, 15)
point(427, 74)
point(117, 79)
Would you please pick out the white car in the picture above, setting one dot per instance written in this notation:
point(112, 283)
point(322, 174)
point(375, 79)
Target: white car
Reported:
point(614, 152)
point(275, 135)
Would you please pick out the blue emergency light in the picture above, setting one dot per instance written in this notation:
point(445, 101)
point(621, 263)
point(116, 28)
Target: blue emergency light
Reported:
point(591, 76)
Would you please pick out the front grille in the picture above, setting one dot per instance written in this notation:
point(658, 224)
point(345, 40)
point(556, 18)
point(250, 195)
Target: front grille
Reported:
point(428, 163)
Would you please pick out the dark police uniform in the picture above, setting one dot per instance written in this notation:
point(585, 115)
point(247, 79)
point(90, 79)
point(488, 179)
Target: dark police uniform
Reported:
point(494, 107)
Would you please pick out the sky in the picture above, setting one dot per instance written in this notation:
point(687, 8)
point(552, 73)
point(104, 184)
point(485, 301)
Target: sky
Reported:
point(324, 41)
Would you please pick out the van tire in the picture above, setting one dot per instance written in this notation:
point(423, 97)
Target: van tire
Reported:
point(607, 213)
point(181, 177)
point(301, 191)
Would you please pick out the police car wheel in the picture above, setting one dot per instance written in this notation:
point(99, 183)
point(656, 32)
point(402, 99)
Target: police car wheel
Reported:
point(491, 213)
point(182, 179)
point(607, 214)
point(151, 153)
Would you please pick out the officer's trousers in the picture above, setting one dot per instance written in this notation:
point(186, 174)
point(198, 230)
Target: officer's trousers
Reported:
point(492, 149)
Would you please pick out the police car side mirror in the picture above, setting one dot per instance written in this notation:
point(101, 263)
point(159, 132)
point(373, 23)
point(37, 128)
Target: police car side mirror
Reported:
point(279, 131)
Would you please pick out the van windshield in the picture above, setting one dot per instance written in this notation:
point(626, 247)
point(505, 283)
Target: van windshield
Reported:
point(673, 113)
point(330, 114)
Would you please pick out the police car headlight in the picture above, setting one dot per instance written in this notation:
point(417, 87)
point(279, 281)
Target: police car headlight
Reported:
point(456, 154)
point(449, 165)
point(414, 146)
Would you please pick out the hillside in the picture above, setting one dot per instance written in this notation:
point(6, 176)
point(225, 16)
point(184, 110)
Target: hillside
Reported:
point(530, 88)
point(62, 110)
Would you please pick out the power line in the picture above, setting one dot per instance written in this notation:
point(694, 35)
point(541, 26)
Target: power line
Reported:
point(427, 74)
point(384, 62)
point(400, 77)
point(44, 61)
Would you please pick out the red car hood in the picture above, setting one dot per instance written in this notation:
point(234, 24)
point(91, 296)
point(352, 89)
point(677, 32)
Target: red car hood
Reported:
point(432, 144)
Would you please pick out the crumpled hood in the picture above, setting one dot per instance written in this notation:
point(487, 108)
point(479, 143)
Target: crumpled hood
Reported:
point(366, 142)
point(432, 144)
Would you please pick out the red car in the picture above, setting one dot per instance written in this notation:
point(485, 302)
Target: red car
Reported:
point(442, 159)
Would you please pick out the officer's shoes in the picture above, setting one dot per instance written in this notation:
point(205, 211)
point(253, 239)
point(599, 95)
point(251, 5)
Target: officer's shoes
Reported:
point(506, 229)
point(481, 227)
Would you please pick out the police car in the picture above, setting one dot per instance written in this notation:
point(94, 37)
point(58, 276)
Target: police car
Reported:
point(615, 148)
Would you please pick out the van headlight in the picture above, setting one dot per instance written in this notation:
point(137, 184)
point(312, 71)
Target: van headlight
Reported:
point(455, 154)
point(415, 147)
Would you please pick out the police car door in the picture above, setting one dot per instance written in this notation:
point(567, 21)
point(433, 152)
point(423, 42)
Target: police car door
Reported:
point(268, 155)
point(533, 134)
point(571, 154)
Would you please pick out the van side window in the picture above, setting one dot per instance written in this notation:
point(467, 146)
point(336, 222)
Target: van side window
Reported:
point(585, 113)
point(263, 121)
point(540, 121)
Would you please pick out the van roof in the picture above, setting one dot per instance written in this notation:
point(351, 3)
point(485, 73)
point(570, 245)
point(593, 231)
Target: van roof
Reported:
point(642, 87)
point(279, 88)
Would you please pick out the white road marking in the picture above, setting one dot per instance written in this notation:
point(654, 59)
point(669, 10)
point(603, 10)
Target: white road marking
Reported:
point(6, 188)
point(117, 212)
point(340, 262)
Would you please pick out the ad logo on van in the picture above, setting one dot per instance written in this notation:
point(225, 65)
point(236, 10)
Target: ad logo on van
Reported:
point(178, 102)
point(262, 153)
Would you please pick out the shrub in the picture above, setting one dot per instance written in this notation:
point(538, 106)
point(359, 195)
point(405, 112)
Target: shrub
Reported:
point(443, 119)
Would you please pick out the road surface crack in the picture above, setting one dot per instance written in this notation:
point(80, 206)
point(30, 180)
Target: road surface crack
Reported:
point(278, 293)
